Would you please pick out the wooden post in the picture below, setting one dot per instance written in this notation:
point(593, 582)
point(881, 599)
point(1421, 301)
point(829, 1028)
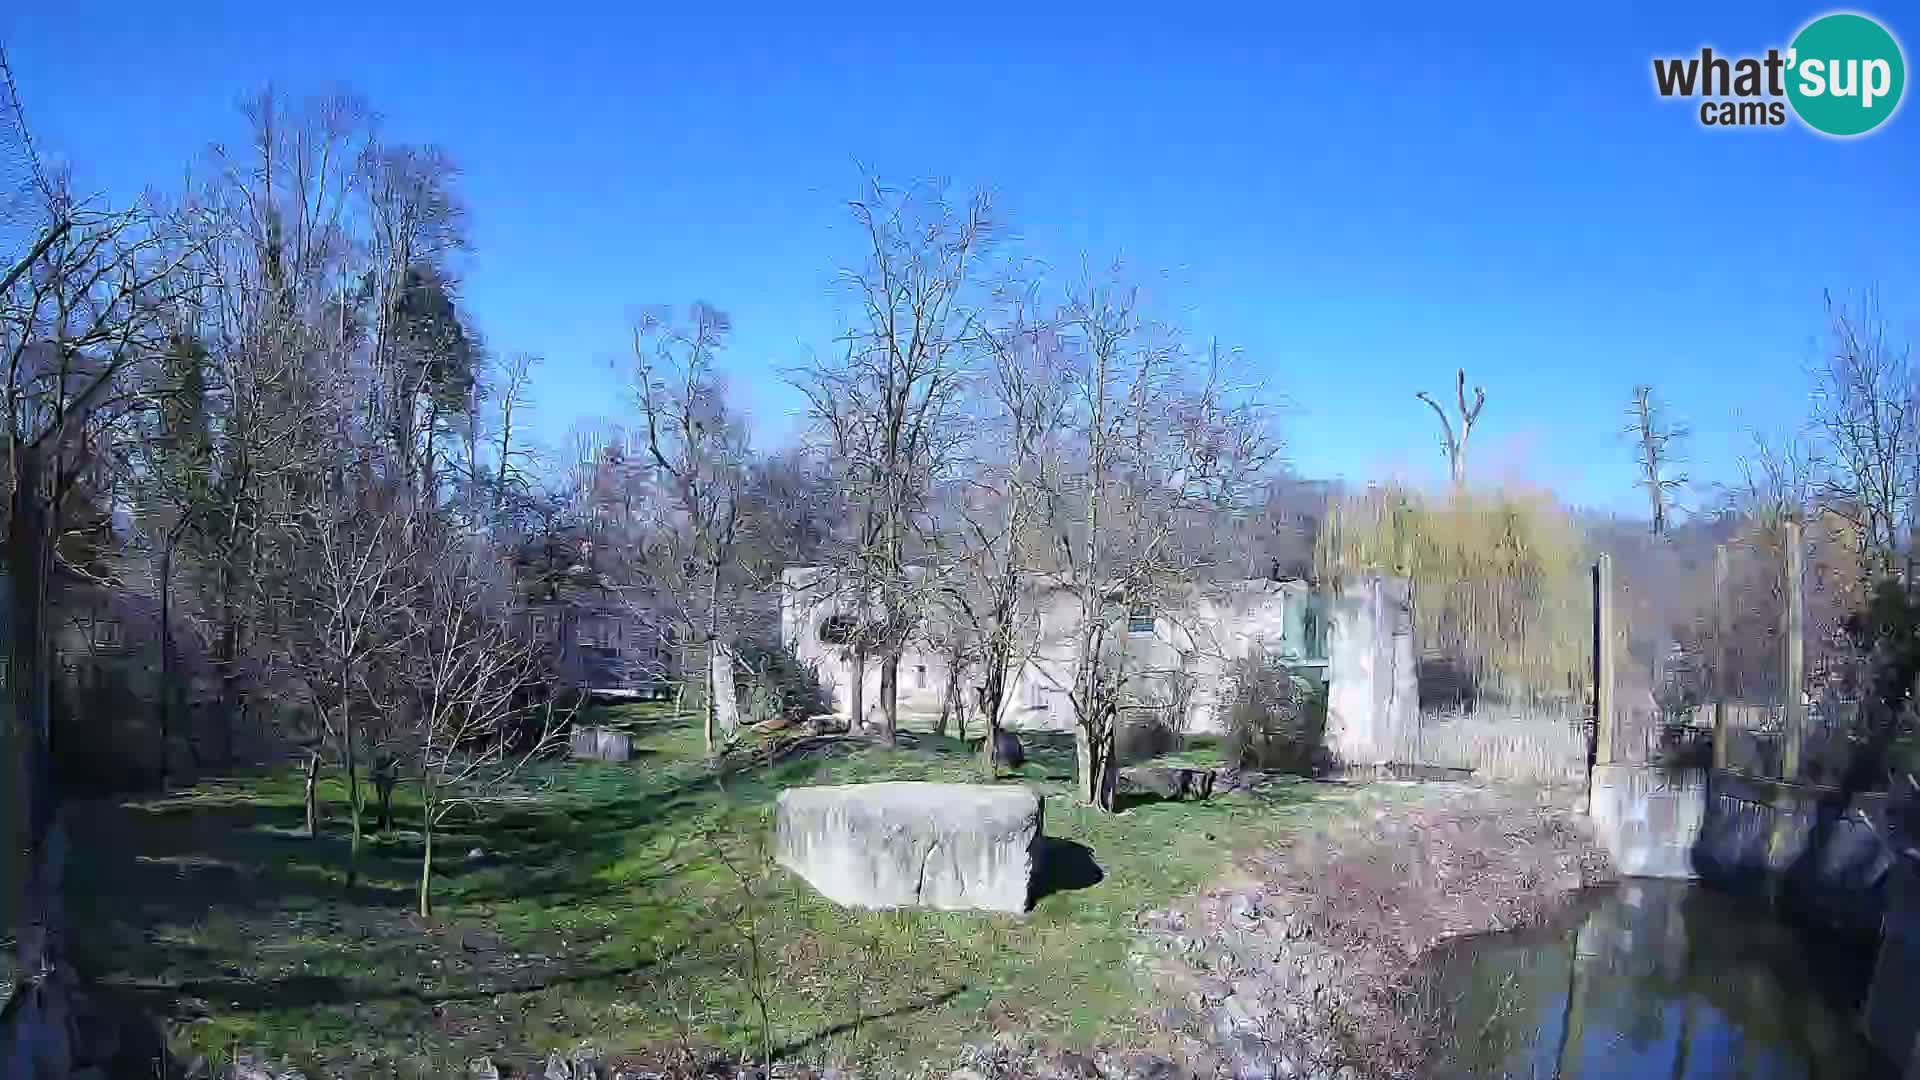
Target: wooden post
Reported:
point(1603, 704)
point(1722, 660)
point(1795, 666)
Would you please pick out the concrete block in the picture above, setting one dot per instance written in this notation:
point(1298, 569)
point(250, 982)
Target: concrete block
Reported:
point(894, 845)
point(1647, 818)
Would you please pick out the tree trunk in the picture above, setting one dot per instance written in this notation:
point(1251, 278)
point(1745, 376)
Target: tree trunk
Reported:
point(723, 710)
point(712, 720)
point(951, 700)
point(313, 792)
point(353, 795)
point(857, 694)
point(427, 809)
point(226, 649)
point(166, 656)
point(384, 779)
point(1083, 760)
point(889, 695)
point(32, 802)
point(990, 714)
point(1094, 737)
point(1106, 771)
point(349, 757)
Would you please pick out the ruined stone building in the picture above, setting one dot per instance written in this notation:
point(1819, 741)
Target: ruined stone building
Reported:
point(1178, 656)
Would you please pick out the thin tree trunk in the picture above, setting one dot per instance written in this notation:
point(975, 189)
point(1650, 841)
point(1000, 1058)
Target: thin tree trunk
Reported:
point(351, 759)
point(712, 723)
point(166, 655)
point(857, 722)
point(427, 809)
point(951, 702)
point(889, 695)
point(312, 792)
point(1083, 760)
point(32, 801)
point(995, 689)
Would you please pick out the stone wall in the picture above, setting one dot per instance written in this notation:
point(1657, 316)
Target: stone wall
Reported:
point(1373, 692)
point(1181, 662)
point(1818, 859)
point(1648, 819)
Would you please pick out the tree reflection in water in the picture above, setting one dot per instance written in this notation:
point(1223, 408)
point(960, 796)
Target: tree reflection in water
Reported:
point(1654, 979)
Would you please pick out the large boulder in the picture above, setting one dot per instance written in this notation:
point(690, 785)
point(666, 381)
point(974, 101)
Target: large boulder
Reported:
point(893, 845)
point(1171, 782)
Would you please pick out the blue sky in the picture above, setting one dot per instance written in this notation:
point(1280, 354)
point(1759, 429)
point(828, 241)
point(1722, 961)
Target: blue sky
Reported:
point(1362, 197)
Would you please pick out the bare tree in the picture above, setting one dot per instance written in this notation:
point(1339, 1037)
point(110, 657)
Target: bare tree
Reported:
point(1776, 481)
point(698, 449)
point(888, 410)
point(79, 311)
point(469, 677)
point(1002, 540)
point(1167, 448)
point(511, 396)
point(1868, 430)
point(1658, 445)
point(353, 577)
point(1452, 442)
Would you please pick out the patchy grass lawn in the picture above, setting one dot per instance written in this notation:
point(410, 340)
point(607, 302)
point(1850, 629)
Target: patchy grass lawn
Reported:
point(621, 905)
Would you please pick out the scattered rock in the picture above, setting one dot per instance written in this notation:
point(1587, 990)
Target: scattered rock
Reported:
point(1246, 907)
point(1337, 916)
point(1078, 1066)
point(1168, 782)
point(1147, 1067)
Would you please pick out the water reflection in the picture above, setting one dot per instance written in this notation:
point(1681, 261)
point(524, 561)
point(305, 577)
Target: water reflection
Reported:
point(1654, 979)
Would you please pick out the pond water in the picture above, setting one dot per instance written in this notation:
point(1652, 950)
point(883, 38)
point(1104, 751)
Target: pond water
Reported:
point(1653, 979)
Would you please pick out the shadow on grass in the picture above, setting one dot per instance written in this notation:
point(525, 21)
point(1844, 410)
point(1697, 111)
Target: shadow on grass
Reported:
point(1065, 865)
point(172, 897)
point(318, 991)
point(844, 1026)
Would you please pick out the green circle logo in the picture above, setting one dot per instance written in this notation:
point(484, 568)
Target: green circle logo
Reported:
point(1845, 74)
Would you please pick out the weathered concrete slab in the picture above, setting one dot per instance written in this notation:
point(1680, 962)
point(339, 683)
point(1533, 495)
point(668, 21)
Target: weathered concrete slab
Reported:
point(893, 845)
point(1647, 818)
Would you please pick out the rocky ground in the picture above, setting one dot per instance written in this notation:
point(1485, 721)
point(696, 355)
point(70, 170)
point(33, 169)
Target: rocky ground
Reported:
point(1300, 963)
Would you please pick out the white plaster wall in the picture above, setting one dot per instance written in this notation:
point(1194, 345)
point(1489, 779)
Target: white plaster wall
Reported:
point(1206, 632)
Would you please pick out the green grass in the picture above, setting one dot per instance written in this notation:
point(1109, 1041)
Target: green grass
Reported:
point(608, 906)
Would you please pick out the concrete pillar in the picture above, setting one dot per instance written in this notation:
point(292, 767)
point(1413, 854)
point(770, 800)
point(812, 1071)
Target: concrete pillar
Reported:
point(1795, 661)
point(1603, 662)
point(1372, 692)
point(1722, 659)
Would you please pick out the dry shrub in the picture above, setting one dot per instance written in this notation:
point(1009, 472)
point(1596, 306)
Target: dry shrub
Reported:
point(1145, 733)
point(1277, 719)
